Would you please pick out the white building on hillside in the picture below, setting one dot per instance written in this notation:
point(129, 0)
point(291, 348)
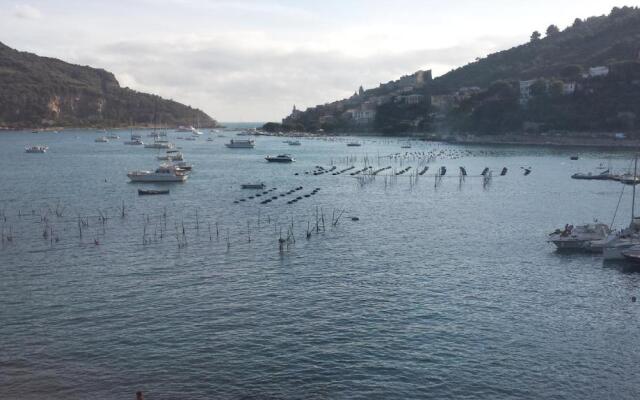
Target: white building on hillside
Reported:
point(598, 71)
point(525, 90)
point(364, 116)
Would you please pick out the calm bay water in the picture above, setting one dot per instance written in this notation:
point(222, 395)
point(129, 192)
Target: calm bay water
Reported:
point(434, 293)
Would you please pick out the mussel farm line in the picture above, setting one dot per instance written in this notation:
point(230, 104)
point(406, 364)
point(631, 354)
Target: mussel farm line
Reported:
point(41, 231)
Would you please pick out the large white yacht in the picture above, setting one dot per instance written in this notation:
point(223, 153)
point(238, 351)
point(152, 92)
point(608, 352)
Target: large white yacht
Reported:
point(164, 173)
point(241, 144)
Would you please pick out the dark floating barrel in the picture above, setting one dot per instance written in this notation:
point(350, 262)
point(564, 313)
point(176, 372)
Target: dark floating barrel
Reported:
point(504, 171)
point(463, 171)
point(484, 171)
point(527, 171)
point(443, 171)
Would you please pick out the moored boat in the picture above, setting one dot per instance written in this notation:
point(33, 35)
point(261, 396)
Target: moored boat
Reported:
point(602, 176)
point(579, 238)
point(101, 139)
point(280, 158)
point(172, 155)
point(241, 144)
point(253, 186)
point(164, 173)
point(36, 149)
point(142, 192)
point(159, 144)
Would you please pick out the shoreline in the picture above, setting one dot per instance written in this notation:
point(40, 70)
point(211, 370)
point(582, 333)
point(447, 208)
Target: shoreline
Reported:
point(565, 142)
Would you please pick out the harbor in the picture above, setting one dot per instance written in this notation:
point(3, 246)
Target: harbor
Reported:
point(354, 241)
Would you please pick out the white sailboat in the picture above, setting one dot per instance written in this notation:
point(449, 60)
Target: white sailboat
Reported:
point(617, 243)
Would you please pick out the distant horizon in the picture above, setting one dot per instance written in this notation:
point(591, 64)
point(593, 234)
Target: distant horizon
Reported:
point(248, 61)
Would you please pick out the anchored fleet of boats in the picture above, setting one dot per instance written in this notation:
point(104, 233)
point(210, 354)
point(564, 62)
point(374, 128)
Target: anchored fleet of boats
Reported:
point(599, 238)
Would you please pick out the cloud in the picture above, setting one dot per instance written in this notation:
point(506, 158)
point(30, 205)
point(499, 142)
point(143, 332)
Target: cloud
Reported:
point(249, 76)
point(26, 11)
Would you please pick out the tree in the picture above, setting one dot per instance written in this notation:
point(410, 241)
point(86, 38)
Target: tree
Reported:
point(552, 30)
point(361, 91)
point(577, 22)
point(572, 71)
point(535, 36)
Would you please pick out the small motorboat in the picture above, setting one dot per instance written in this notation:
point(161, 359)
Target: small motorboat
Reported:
point(253, 186)
point(574, 158)
point(36, 149)
point(182, 165)
point(579, 238)
point(354, 144)
point(142, 192)
point(172, 155)
point(604, 175)
point(134, 142)
point(632, 254)
point(102, 139)
point(281, 158)
point(293, 143)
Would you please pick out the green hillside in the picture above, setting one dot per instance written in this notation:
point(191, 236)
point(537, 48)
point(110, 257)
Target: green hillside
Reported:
point(546, 84)
point(39, 91)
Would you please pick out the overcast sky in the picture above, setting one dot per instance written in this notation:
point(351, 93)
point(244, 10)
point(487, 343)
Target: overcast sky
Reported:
point(250, 60)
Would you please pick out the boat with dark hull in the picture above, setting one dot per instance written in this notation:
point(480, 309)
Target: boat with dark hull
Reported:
point(149, 192)
point(281, 158)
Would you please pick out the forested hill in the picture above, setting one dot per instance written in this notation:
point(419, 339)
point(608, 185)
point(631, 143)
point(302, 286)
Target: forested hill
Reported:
point(602, 40)
point(584, 78)
point(40, 91)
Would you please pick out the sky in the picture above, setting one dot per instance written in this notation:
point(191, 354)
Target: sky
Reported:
point(252, 60)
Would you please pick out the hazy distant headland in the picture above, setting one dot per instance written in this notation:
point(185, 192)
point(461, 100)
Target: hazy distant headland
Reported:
point(583, 79)
point(39, 92)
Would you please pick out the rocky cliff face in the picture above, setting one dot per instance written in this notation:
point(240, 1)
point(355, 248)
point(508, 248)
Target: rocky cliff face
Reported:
point(39, 91)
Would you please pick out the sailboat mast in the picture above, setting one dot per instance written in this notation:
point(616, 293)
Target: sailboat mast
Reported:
point(633, 199)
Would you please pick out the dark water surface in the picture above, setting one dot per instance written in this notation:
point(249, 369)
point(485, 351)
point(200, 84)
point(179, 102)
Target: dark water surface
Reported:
point(447, 292)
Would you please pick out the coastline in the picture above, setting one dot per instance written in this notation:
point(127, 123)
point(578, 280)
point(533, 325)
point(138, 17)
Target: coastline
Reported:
point(546, 141)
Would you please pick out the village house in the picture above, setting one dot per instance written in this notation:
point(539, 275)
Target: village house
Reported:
point(465, 92)
point(525, 91)
point(442, 101)
point(597, 71)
